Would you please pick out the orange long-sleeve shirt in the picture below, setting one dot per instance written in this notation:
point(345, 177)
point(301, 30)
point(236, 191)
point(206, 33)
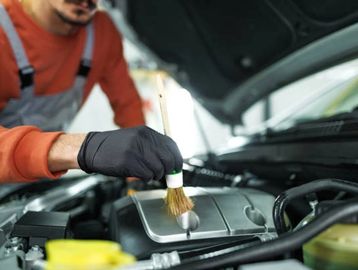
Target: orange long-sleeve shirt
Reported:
point(24, 150)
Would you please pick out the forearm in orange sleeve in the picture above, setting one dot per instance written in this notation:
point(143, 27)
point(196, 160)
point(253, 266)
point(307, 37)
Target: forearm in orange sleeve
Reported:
point(24, 154)
point(123, 96)
point(129, 109)
point(118, 85)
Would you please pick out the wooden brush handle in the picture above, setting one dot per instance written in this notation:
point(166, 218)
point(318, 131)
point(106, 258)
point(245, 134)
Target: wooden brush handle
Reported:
point(163, 105)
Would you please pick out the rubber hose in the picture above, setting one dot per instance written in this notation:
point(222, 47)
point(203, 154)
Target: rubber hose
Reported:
point(287, 242)
point(284, 198)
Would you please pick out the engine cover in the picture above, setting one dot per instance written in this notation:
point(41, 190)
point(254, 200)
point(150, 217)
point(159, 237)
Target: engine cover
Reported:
point(221, 216)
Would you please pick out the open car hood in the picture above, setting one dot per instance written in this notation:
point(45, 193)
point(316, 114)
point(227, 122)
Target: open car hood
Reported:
point(231, 53)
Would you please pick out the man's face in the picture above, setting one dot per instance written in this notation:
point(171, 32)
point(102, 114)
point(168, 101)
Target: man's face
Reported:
point(75, 12)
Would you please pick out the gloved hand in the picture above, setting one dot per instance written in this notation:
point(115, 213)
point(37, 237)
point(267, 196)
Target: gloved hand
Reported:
point(140, 152)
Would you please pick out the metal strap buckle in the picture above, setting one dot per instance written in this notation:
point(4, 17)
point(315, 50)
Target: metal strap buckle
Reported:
point(84, 68)
point(26, 75)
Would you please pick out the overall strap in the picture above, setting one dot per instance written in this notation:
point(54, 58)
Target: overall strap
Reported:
point(26, 71)
point(87, 56)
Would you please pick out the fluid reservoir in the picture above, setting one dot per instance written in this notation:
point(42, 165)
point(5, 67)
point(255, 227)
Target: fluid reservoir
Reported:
point(334, 249)
point(85, 254)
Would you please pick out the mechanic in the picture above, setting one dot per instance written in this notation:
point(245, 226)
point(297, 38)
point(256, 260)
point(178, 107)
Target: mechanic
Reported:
point(52, 52)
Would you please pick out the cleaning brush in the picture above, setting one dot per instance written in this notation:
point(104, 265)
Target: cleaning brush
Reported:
point(176, 200)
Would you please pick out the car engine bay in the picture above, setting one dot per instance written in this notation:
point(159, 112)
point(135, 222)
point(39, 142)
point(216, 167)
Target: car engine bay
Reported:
point(283, 199)
point(236, 220)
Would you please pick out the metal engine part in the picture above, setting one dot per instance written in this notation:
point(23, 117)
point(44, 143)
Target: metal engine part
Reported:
point(220, 215)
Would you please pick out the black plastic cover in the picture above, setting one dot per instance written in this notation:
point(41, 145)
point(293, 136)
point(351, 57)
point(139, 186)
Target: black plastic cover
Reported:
point(39, 227)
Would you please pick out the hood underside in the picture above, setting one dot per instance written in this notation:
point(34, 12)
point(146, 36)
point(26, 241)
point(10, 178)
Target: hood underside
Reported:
point(232, 53)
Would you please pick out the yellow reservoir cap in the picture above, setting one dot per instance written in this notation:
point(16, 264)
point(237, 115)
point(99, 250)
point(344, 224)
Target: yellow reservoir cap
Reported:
point(85, 254)
point(335, 248)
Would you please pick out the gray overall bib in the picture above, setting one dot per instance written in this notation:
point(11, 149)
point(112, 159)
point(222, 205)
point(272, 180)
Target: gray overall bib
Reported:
point(48, 112)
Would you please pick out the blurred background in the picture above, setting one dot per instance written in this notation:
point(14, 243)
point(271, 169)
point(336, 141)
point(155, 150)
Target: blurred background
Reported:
point(190, 121)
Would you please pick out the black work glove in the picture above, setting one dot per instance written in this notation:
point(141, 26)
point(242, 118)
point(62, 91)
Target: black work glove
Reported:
point(140, 152)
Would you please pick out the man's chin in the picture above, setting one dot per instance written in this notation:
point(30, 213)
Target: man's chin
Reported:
point(74, 21)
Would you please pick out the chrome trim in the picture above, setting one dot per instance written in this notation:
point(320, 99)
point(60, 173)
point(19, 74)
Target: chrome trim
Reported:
point(62, 194)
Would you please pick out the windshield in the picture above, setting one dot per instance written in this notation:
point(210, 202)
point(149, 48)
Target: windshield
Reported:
point(343, 98)
point(324, 94)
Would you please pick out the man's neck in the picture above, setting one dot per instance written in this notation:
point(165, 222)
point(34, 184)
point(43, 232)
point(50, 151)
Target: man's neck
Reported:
point(44, 15)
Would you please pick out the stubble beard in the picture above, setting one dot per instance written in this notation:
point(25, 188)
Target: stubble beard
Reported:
point(72, 22)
